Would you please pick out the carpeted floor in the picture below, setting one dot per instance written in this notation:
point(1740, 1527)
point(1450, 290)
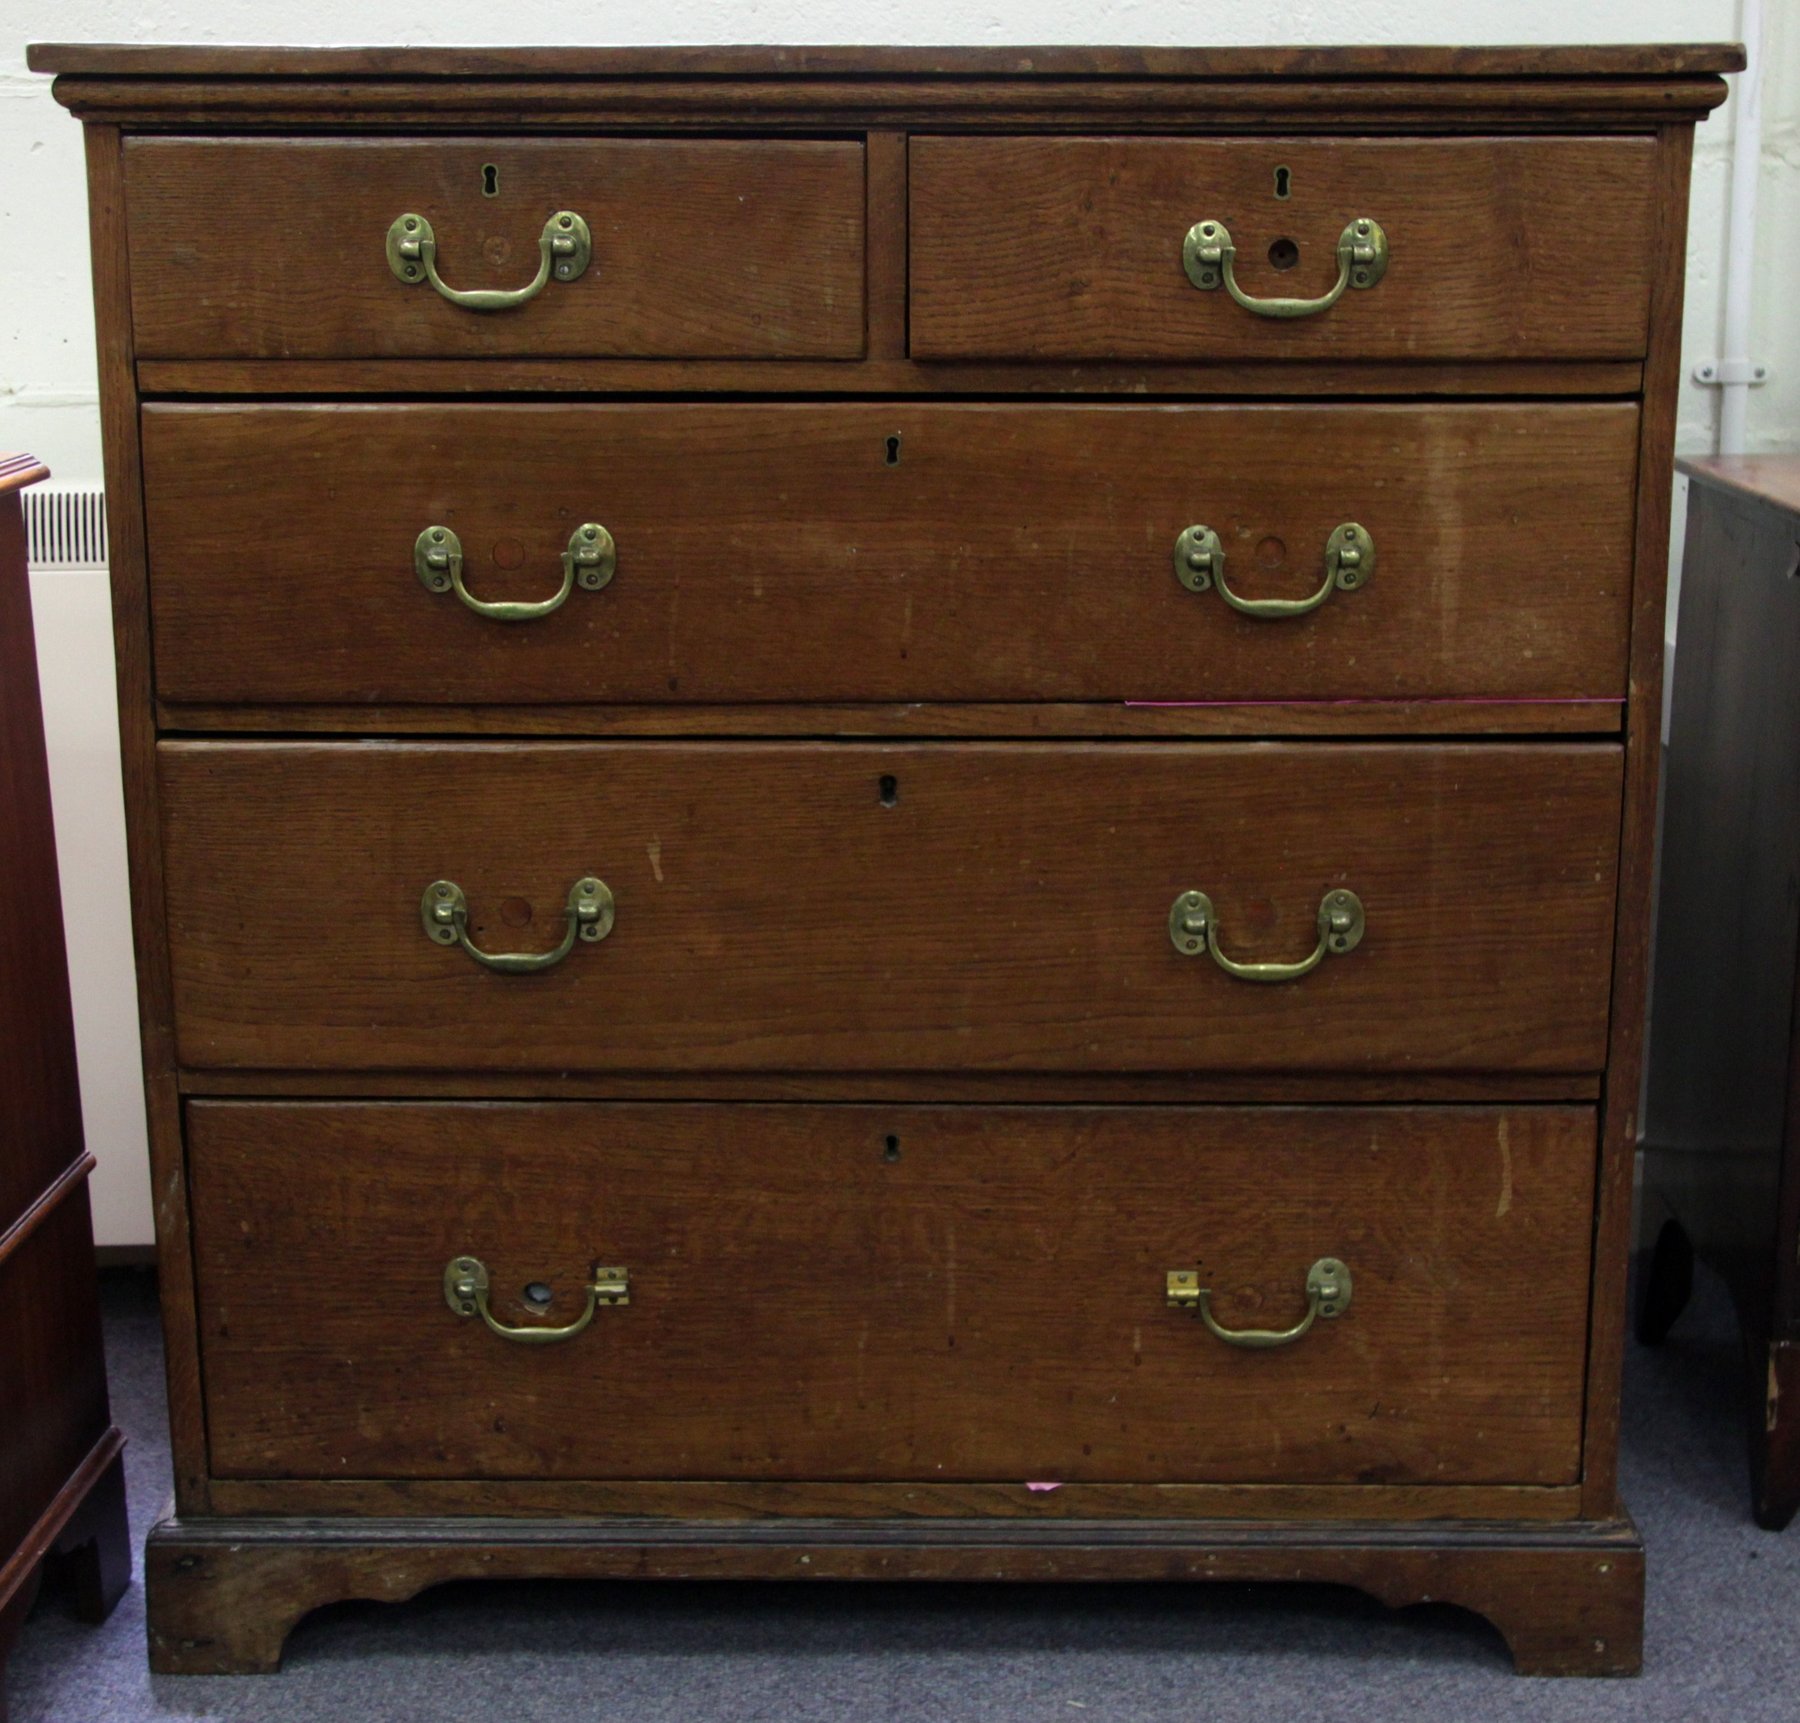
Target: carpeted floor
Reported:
point(1723, 1638)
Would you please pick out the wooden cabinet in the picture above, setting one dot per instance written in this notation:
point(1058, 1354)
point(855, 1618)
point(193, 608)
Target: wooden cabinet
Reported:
point(62, 1478)
point(1722, 1109)
point(934, 863)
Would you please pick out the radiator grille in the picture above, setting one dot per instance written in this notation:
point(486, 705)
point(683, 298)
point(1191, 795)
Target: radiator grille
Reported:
point(65, 526)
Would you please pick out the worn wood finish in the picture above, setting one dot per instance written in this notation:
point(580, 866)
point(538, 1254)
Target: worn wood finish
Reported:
point(1619, 1115)
point(974, 946)
point(702, 248)
point(52, 1370)
point(947, 553)
point(1035, 64)
point(1350, 1088)
point(1009, 910)
point(1722, 1121)
point(894, 1266)
point(879, 375)
point(1017, 720)
point(224, 1595)
point(143, 825)
point(1359, 107)
point(741, 1499)
point(1070, 248)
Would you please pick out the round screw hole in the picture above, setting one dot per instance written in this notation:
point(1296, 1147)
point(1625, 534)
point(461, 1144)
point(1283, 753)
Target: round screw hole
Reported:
point(890, 1150)
point(889, 788)
point(1284, 254)
point(538, 1295)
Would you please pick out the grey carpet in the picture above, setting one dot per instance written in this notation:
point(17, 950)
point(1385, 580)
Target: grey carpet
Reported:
point(1723, 1638)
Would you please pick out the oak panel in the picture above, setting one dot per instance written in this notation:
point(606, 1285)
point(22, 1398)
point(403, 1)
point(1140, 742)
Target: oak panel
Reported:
point(703, 247)
point(857, 1293)
point(900, 552)
point(1062, 248)
point(1008, 910)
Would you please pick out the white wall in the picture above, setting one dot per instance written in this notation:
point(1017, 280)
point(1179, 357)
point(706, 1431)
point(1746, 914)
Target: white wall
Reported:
point(46, 333)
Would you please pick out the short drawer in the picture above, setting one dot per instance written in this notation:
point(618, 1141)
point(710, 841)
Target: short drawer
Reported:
point(897, 552)
point(292, 248)
point(1078, 248)
point(862, 907)
point(861, 1293)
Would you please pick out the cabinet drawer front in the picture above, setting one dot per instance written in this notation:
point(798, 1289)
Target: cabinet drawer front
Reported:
point(52, 1375)
point(701, 247)
point(1073, 248)
point(822, 906)
point(898, 552)
point(893, 1293)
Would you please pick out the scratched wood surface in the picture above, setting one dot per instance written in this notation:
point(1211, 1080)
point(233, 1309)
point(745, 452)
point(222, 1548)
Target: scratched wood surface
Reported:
point(934, 1293)
point(1054, 248)
point(1008, 910)
point(904, 552)
point(703, 248)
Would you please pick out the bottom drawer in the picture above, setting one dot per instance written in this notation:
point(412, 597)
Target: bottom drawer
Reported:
point(52, 1370)
point(899, 1293)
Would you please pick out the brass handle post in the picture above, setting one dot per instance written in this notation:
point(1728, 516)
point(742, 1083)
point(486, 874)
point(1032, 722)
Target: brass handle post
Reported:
point(1349, 562)
point(1194, 928)
point(589, 562)
point(466, 1292)
point(565, 249)
point(1208, 256)
point(444, 910)
point(1327, 1295)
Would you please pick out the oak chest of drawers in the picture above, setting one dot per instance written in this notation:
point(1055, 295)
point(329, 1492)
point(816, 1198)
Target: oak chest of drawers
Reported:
point(891, 809)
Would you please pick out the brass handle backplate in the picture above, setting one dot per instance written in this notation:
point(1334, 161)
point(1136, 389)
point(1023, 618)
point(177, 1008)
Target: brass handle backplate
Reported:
point(565, 248)
point(1208, 255)
point(1327, 1295)
point(590, 562)
point(1194, 928)
point(1349, 562)
point(466, 1292)
point(444, 910)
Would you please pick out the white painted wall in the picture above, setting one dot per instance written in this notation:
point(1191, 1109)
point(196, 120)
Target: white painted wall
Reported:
point(47, 400)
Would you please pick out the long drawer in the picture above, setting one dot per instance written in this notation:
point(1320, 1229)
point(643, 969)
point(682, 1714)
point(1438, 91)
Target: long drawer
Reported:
point(893, 1293)
point(862, 907)
point(283, 248)
point(891, 552)
point(1096, 247)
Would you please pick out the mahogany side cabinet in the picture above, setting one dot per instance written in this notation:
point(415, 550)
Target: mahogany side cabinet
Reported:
point(891, 809)
point(62, 1476)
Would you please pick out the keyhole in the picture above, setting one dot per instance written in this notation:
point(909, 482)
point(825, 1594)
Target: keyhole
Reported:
point(893, 451)
point(1282, 182)
point(889, 788)
point(891, 1149)
point(490, 181)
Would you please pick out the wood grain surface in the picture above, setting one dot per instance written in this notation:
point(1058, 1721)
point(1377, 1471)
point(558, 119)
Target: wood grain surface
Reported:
point(937, 1293)
point(224, 1594)
point(158, 60)
point(1064, 248)
point(711, 247)
point(900, 552)
point(1008, 910)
